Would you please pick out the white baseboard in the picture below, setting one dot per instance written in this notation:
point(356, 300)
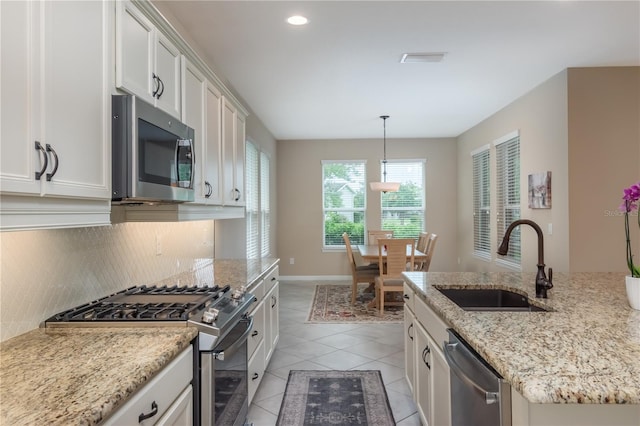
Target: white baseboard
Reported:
point(315, 278)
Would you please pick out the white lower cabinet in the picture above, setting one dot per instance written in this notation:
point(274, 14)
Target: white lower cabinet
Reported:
point(167, 399)
point(426, 364)
point(409, 346)
point(266, 327)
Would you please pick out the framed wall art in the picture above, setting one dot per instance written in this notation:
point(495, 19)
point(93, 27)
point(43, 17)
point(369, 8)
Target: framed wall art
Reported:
point(540, 190)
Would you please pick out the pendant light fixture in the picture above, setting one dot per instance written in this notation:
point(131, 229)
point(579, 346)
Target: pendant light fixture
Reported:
point(384, 186)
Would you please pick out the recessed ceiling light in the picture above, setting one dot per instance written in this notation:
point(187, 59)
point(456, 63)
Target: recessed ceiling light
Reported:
point(297, 20)
point(421, 57)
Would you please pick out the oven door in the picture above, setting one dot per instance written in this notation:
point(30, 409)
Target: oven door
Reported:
point(224, 391)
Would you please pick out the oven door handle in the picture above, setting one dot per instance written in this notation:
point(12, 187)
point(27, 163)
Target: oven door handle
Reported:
point(227, 352)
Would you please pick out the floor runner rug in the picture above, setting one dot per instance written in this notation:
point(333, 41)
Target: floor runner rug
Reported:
point(332, 304)
point(332, 397)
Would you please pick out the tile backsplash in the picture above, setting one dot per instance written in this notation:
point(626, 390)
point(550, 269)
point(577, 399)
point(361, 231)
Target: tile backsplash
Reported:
point(45, 272)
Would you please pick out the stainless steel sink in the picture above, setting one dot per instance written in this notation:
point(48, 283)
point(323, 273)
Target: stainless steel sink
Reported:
point(489, 299)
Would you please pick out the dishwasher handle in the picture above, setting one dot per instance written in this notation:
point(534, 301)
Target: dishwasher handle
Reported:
point(490, 397)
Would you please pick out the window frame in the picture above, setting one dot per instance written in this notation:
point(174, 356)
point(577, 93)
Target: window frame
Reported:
point(508, 197)
point(481, 176)
point(391, 164)
point(340, 246)
point(257, 207)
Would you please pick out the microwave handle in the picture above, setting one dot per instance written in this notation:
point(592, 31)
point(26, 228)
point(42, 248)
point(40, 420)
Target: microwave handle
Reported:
point(192, 156)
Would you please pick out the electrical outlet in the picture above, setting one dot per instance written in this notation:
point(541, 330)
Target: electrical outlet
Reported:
point(550, 228)
point(292, 261)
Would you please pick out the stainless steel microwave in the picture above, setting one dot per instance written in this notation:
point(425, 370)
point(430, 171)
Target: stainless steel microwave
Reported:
point(152, 153)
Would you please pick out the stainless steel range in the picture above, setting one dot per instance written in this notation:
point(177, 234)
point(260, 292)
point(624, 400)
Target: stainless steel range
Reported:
point(220, 314)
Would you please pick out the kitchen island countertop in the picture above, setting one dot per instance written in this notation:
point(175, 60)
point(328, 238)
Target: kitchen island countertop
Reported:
point(586, 350)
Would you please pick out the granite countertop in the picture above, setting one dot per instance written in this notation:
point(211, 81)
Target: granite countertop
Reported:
point(79, 376)
point(586, 350)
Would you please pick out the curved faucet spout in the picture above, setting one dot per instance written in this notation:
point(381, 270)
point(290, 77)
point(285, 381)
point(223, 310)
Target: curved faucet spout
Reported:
point(542, 283)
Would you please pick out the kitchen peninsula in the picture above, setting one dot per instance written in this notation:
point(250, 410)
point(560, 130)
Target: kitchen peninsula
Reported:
point(581, 359)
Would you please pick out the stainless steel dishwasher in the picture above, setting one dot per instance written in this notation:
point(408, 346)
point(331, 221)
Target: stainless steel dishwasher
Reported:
point(479, 395)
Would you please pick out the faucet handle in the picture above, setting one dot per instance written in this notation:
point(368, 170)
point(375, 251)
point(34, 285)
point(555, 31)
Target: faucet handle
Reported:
point(550, 279)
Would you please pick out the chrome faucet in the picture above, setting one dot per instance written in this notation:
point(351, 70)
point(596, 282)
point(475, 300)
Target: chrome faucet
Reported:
point(542, 283)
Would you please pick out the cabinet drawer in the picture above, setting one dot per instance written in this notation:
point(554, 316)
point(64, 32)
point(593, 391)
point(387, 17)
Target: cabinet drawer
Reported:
point(160, 392)
point(409, 297)
point(436, 328)
point(257, 332)
point(256, 370)
point(271, 278)
point(258, 290)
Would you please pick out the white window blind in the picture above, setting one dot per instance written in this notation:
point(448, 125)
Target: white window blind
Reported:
point(265, 202)
point(481, 203)
point(508, 193)
point(403, 211)
point(343, 202)
point(252, 201)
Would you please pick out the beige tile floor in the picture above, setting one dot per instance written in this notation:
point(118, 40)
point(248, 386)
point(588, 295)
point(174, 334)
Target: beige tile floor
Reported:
point(305, 346)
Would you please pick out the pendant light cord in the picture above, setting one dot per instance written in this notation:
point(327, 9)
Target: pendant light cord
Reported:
point(384, 147)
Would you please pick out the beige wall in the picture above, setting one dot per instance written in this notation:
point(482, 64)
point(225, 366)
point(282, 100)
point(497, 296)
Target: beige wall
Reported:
point(541, 118)
point(604, 153)
point(300, 229)
point(583, 125)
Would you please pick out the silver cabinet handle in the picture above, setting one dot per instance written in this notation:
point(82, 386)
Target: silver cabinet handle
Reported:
point(490, 397)
point(46, 160)
point(55, 167)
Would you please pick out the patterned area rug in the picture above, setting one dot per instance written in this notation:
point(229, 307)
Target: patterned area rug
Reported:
point(332, 303)
point(354, 397)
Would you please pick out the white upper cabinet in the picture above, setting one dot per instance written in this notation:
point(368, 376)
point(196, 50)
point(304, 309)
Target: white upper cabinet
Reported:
point(147, 63)
point(194, 89)
point(55, 113)
point(211, 158)
point(233, 129)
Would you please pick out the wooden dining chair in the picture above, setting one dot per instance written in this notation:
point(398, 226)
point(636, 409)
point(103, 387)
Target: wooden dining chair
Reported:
point(431, 246)
point(421, 245)
point(374, 236)
point(359, 274)
point(397, 261)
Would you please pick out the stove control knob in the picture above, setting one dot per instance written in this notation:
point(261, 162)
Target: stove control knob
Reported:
point(238, 293)
point(210, 315)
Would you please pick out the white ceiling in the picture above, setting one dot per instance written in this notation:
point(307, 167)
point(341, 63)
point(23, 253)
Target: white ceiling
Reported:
point(335, 76)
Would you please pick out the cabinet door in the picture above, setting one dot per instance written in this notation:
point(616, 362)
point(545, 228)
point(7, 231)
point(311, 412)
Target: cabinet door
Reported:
point(423, 376)
point(229, 194)
point(272, 311)
point(441, 388)
point(19, 159)
point(180, 413)
point(211, 158)
point(194, 87)
point(76, 105)
point(167, 70)
point(409, 347)
point(239, 159)
point(135, 40)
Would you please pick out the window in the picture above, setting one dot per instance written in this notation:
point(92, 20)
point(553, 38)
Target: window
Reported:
point(257, 207)
point(481, 203)
point(265, 209)
point(403, 211)
point(508, 193)
point(343, 201)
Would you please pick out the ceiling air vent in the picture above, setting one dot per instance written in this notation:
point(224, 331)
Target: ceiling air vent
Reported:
point(409, 58)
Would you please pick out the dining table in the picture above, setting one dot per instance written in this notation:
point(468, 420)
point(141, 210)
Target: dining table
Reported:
point(370, 254)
